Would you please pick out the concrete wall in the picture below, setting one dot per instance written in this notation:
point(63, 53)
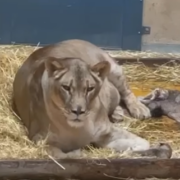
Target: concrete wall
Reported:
point(163, 16)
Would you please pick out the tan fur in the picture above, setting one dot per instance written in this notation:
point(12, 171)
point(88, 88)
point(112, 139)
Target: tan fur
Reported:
point(67, 91)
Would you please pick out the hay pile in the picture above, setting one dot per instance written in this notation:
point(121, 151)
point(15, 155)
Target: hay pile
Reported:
point(13, 140)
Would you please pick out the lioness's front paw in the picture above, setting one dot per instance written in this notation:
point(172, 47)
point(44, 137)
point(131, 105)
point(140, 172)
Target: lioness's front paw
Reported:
point(139, 110)
point(58, 154)
point(117, 115)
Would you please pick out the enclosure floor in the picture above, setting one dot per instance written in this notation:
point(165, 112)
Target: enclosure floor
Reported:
point(13, 136)
point(143, 88)
point(163, 129)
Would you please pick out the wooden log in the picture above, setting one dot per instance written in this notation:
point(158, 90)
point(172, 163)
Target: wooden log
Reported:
point(90, 169)
point(148, 61)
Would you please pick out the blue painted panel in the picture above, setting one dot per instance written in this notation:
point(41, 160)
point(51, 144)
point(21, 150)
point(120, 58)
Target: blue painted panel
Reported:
point(132, 24)
point(106, 23)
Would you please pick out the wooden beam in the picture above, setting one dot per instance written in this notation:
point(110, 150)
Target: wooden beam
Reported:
point(90, 169)
point(148, 61)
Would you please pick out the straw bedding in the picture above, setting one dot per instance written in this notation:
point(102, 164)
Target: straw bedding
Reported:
point(13, 140)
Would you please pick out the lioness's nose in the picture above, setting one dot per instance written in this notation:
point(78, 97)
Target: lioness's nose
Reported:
point(78, 111)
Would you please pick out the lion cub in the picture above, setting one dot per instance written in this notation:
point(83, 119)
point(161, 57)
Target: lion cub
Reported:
point(163, 102)
point(65, 93)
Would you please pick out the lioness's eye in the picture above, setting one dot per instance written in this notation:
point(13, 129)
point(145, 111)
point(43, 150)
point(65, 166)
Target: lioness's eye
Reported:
point(90, 89)
point(67, 88)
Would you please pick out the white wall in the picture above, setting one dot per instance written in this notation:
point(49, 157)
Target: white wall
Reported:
point(163, 16)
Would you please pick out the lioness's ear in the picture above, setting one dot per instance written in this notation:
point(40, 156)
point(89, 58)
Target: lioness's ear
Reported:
point(53, 65)
point(102, 69)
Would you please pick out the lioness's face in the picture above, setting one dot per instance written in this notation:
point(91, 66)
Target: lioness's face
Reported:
point(77, 85)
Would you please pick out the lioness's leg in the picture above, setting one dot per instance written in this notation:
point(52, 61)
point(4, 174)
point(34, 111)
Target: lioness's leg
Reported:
point(122, 140)
point(117, 115)
point(136, 108)
point(54, 151)
point(58, 154)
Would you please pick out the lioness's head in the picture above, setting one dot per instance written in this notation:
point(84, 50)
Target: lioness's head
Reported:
point(76, 85)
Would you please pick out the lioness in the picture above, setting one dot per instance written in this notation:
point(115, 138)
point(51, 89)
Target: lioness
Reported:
point(64, 92)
